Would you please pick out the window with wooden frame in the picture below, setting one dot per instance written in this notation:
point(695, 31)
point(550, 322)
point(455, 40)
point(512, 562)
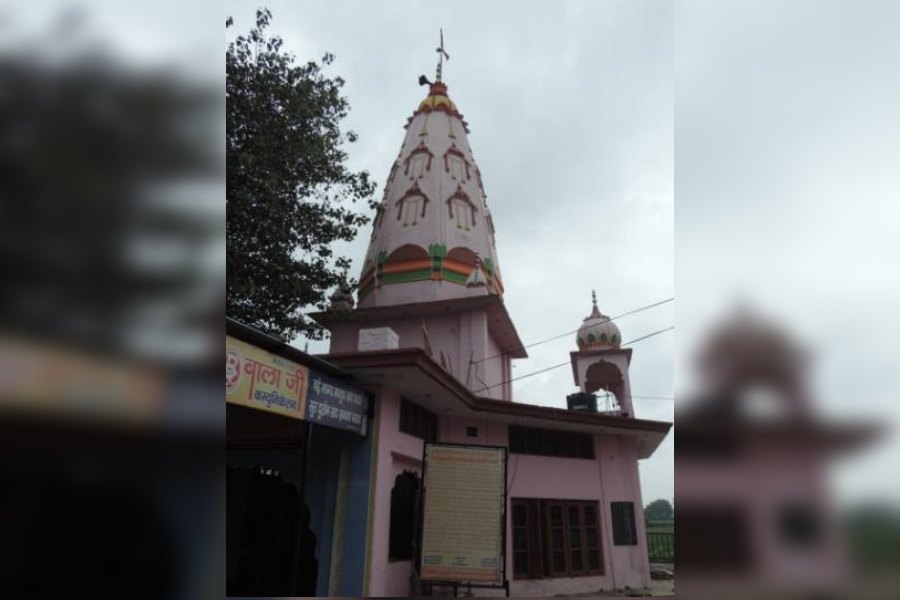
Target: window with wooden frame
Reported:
point(550, 442)
point(555, 538)
point(417, 421)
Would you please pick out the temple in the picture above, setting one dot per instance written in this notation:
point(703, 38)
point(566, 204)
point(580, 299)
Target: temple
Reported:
point(327, 464)
point(430, 335)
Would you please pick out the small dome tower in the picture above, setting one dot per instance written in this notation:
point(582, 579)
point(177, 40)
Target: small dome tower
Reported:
point(597, 331)
point(600, 363)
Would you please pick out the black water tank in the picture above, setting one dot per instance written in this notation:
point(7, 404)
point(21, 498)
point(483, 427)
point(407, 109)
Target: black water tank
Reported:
point(582, 402)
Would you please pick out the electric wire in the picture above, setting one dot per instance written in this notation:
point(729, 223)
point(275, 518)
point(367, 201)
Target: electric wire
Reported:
point(607, 320)
point(544, 370)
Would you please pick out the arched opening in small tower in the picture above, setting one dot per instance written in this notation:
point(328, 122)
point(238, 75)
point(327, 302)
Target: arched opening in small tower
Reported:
point(766, 402)
point(606, 380)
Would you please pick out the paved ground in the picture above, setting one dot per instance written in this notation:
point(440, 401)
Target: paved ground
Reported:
point(658, 587)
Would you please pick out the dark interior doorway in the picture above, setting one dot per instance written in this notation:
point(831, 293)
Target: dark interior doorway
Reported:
point(271, 550)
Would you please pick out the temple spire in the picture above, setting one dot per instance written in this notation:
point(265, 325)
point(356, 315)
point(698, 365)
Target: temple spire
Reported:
point(442, 54)
point(433, 234)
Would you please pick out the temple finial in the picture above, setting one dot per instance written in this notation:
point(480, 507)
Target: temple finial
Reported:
point(442, 54)
point(594, 297)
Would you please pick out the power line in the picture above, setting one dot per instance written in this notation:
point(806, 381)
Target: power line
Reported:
point(649, 335)
point(607, 320)
point(643, 337)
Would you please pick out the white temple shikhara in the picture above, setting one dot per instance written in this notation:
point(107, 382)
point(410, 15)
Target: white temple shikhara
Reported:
point(431, 267)
point(433, 223)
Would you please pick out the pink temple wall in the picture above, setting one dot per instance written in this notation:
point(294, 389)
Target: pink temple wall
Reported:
point(613, 476)
point(493, 372)
point(757, 482)
point(461, 337)
point(395, 452)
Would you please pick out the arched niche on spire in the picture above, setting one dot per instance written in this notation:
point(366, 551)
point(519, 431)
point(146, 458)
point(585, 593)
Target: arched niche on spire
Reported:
point(406, 253)
point(418, 162)
point(603, 375)
point(462, 209)
point(406, 263)
point(462, 255)
point(411, 205)
point(456, 164)
point(458, 264)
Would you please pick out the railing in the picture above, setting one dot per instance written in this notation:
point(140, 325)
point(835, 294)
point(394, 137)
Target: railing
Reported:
point(661, 547)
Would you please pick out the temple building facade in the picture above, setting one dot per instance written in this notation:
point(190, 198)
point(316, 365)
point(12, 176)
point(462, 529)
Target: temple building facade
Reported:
point(429, 338)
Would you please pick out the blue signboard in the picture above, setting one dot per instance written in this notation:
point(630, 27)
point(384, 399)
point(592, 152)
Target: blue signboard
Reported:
point(333, 403)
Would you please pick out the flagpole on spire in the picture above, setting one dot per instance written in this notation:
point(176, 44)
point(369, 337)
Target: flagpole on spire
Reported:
point(442, 54)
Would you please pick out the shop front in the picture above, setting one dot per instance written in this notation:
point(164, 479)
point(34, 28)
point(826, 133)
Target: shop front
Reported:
point(298, 458)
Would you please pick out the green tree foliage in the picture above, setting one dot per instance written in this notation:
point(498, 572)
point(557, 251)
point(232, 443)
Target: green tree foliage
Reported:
point(290, 194)
point(659, 510)
point(873, 532)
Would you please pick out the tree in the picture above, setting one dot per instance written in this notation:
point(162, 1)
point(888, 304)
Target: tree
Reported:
point(659, 510)
point(290, 194)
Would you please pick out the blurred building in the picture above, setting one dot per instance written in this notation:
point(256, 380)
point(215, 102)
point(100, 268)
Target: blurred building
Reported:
point(753, 503)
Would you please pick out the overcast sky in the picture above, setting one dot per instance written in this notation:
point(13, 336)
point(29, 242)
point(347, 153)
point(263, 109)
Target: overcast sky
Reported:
point(787, 178)
point(570, 108)
point(788, 147)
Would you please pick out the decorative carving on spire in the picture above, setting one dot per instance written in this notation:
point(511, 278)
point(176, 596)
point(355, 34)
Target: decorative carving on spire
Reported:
point(455, 162)
point(476, 278)
point(408, 205)
point(417, 158)
point(464, 208)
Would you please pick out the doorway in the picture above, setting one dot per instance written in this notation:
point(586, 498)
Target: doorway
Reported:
point(271, 550)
